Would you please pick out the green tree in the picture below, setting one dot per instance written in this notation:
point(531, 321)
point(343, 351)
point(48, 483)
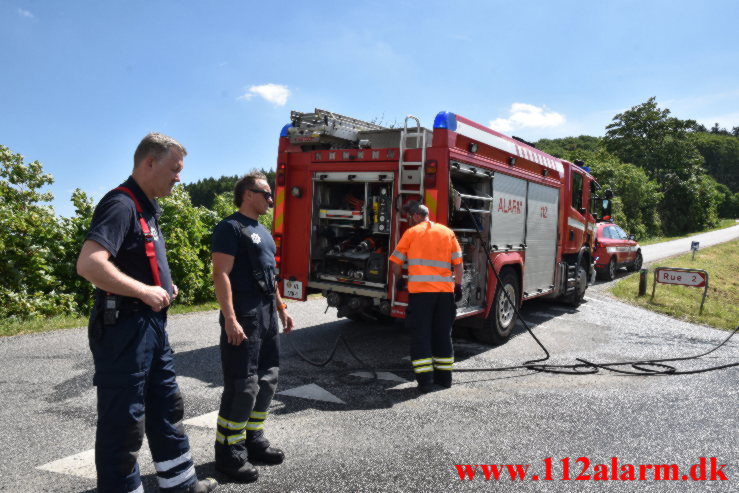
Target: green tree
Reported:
point(72, 234)
point(187, 231)
point(648, 137)
point(203, 192)
point(569, 145)
point(721, 156)
point(29, 235)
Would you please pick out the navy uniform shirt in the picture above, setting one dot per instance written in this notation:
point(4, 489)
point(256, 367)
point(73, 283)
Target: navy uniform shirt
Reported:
point(227, 239)
point(116, 227)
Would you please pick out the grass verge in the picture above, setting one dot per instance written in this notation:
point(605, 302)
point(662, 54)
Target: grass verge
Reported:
point(721, 309)
point(11, 327)
point(722, 224)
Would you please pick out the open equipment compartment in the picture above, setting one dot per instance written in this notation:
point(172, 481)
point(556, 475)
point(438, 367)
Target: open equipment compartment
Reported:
point(471, 187)
point(350, 240)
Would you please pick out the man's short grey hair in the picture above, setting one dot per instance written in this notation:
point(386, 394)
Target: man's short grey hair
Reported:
point(156, 145)
point(414, 207)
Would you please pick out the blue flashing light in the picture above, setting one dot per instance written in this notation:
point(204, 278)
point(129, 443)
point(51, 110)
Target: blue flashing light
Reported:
point(446, 119)
point(283, 133)
point(586, 168)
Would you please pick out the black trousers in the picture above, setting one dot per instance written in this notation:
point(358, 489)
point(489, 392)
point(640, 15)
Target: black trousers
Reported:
point(430, 316)
point(137, 393)
point(250, 373)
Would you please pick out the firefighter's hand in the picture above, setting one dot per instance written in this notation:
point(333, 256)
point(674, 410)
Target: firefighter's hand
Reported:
point(156, 297)
point(234, 333)
point(287, 321)
point(457, 292)
point(175, 291)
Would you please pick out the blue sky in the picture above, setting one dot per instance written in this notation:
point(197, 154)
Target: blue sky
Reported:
point(82, 81)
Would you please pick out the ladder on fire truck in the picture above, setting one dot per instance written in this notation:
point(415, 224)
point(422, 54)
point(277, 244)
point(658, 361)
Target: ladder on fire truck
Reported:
point(410, 179)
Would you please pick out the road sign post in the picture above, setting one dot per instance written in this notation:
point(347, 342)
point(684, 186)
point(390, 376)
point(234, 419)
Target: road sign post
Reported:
point(683, 277)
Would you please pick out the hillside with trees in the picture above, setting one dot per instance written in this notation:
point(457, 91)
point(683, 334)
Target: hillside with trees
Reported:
point(670, 176)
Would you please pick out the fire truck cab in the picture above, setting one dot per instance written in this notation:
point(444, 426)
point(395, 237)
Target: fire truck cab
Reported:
point(340, 186)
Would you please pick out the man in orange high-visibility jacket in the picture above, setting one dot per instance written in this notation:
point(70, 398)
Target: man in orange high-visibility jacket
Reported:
point(432, 253)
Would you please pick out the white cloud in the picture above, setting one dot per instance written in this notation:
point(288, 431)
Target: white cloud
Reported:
point(274, 93)
point(25, 13)
point(524, 115)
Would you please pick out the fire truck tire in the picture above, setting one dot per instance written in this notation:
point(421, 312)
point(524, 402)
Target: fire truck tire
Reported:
point(497, 328)
point(576, 298)
point(637, 263)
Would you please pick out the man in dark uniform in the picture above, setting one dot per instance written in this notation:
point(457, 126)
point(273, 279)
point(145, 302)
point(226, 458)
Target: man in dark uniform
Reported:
point(244, 277)
point(124, 256)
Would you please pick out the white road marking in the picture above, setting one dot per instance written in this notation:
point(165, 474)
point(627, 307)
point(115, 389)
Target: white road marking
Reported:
point(82, 464)
point(312, 391)
point(204, 420)
point(381, 375)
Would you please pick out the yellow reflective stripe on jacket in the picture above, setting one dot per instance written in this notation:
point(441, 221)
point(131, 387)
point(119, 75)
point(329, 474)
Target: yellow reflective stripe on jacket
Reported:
point(432, 250)
point(417, 278)
point(430, 263)
point(231, 425)
point(400, 256)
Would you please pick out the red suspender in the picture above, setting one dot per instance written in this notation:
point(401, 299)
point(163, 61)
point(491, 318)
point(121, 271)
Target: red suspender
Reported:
point(151, 252)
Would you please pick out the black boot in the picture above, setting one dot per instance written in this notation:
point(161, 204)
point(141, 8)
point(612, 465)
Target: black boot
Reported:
point(232, 461)
point(269, 455)
point(443, 378)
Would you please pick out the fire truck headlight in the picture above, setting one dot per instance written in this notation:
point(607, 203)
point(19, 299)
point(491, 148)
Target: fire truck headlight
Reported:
point(296, 192)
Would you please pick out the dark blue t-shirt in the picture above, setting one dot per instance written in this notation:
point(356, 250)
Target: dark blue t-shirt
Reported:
point(115, 226)
point(227, 238)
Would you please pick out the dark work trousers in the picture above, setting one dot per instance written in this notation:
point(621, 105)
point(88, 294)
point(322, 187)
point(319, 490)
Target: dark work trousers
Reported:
point(134, 375)
point(429, 316)
point(250, 373)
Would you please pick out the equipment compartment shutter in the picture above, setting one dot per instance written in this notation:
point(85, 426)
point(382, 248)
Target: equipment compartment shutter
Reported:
point(509, 195)
point(541, 238)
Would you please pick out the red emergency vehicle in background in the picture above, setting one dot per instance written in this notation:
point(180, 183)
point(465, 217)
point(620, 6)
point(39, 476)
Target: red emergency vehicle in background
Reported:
point(341, 183)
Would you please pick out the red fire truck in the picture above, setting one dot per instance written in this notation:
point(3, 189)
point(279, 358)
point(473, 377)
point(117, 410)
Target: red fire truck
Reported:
point(340, 186)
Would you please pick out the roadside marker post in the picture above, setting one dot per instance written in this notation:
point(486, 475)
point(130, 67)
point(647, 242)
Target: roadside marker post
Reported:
point(643, 281)
point(694, 247)
point(684, 277)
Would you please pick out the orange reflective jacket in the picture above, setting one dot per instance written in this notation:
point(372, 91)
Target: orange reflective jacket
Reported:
point(430, 250)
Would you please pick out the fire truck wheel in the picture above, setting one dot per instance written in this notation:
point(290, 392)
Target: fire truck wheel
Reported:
point(637, 263)
point(581, 286)
point(497, 328)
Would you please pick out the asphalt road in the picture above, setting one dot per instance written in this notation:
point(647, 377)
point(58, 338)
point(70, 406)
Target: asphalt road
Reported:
point(383, 435)
point(658, 251)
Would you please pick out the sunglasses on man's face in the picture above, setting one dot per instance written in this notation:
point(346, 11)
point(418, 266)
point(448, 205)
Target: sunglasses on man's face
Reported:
point(267, 195)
